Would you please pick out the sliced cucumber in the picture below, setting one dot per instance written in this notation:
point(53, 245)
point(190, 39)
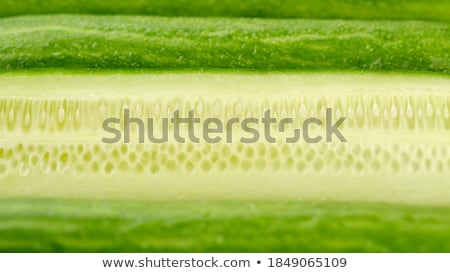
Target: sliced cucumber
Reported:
point(397, 131)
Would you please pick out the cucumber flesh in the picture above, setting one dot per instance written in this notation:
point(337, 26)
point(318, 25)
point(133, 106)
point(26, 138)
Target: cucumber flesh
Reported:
point(397, 129)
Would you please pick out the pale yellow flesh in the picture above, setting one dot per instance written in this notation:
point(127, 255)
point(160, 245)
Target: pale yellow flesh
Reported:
point(397, 127)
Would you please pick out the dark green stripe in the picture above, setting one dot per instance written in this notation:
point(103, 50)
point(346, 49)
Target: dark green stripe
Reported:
point(314, 9)
point(220, 226)
point(71, 41)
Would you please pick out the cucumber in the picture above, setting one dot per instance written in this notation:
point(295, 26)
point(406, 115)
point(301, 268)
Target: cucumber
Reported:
point(324, 9)
point(396, 129)
point(54, 168)
point(120, 42)
point(37, 225)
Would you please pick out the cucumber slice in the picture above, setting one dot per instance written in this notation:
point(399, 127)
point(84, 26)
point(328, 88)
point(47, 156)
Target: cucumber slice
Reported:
point(397, 132)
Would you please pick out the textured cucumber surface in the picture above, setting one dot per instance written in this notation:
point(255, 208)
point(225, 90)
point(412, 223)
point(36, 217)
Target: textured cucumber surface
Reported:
point(127, 42)
point(214, 226)
point(325, 9)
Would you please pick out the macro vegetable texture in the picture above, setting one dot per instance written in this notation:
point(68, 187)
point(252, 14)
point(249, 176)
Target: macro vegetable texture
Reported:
point(383, 66)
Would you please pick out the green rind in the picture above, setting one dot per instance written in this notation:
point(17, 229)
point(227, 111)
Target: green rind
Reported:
point(121, 42)
point(217, 226)
point(323, 9)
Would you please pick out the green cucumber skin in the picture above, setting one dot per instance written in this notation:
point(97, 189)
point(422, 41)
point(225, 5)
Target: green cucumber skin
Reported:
point(135, 42)
point(436, 10)
point(45, 225)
